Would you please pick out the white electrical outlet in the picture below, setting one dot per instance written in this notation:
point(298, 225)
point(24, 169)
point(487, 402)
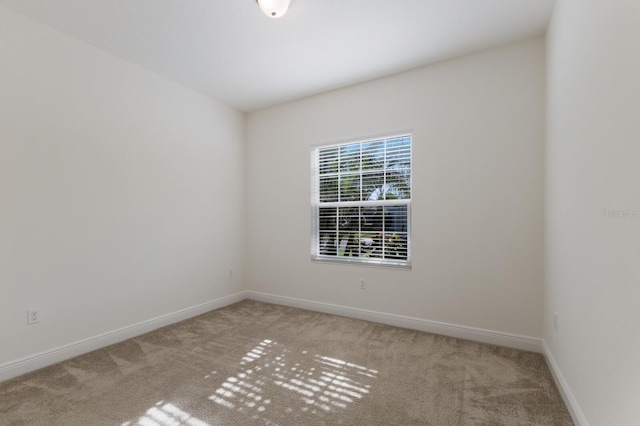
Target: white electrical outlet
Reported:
point(33, 316)
point(555, 322)
point(363, 284)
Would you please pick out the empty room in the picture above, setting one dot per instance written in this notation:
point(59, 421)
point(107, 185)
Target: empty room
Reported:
point(304, 212)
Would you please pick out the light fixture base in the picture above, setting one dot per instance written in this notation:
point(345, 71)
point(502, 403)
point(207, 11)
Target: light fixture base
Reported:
point(274, 8)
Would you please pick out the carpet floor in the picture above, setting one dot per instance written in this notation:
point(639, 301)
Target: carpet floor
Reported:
point(254, 363)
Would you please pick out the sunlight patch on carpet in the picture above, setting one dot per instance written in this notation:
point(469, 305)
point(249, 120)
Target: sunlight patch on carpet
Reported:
point(166, 414)
point(318, 383)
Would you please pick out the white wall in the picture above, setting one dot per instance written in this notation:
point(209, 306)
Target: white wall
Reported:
point(478, 127)
point(593, 152)
point(122, 194)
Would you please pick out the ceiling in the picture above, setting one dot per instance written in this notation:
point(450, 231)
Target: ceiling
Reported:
point(229, 50)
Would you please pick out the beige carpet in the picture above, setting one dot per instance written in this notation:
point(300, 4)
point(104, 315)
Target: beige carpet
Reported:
point(259, 364)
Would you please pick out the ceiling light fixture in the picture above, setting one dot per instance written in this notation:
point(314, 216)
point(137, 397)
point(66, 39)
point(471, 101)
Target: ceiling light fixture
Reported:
point(274, 8)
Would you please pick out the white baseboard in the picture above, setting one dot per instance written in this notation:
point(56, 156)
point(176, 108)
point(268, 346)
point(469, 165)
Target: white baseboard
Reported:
point(462, 332)
point(34, 362)
point(567, 395)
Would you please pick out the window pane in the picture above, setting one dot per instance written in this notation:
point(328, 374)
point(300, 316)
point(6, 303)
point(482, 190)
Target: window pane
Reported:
point(350, 158)
point(328, 243)
point(371, 245)
point(395, 246)
point(398, 185)
point(349, 218)
point(328, 160)
point(327, 224)
point(372, 219)
point(329, 189)
point(350, 187)
point(395, 235)
point(395, 219)
point(399, 153)
point(327, 217)
point(373, 155)
point(373, 186)
point(348, 244)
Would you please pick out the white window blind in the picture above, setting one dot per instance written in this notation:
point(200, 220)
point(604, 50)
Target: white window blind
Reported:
point(361, 201)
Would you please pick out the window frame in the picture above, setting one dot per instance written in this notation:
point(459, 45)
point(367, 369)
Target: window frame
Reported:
point(317, 204)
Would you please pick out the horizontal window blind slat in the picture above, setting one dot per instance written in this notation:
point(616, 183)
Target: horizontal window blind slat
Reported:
point(398, 202)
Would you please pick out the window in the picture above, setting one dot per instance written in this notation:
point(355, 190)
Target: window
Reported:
point(361, 202)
